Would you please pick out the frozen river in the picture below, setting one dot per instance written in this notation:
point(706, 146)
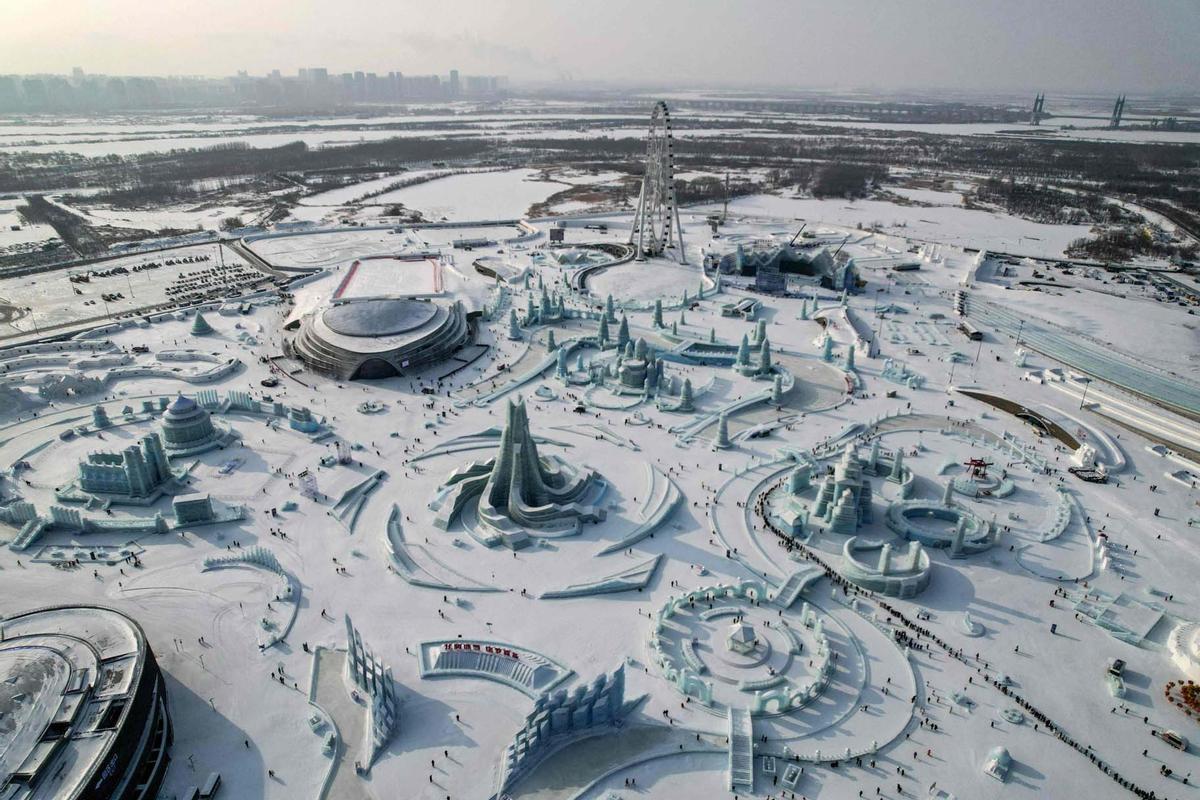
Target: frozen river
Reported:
point(133, 136)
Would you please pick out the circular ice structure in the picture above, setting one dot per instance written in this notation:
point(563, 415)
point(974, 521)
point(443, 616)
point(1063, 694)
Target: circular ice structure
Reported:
point(718, 645)
point(880, 568)
point(935, 524)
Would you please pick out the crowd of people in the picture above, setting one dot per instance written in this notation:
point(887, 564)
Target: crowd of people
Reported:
point(920, 637)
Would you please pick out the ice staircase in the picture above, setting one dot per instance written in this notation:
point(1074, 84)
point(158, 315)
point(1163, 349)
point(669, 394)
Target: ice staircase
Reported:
point(741, 750)
point(796, 583)
point(30, 532)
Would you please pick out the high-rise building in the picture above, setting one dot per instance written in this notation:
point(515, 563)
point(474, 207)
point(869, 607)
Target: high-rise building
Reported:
point(310, 87)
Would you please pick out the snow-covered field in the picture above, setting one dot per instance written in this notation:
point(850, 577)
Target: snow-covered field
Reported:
point(357, 191)
point(929, 196)
point(135, 144)
point(327, 249)
point(682, 511)
point(14, 231)
point(942, 224)
point(181, 218)
point(634, 282)
point(138, 135)
point(1059, 128)
point(475, 196)
point(378, 277)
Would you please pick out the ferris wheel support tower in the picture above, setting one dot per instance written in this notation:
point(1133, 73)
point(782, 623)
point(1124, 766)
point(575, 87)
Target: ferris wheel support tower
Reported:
point(656, 229)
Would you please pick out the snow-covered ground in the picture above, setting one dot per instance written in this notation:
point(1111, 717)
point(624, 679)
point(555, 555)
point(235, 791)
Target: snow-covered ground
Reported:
point(911, 718)
point(946, 224)
point(357, 191)
point(181, 218)
point(930, 196)
point(578, 178)
point(1173, 341)
point(475, 196)
point(15, 232)
point(330, 247)
point(137, 135)
point(1064, 128)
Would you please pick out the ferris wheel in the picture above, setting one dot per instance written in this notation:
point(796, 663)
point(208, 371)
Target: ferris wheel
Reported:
point(656, 228)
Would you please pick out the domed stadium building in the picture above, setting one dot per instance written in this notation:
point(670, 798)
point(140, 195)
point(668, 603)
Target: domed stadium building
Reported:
point(379, 337)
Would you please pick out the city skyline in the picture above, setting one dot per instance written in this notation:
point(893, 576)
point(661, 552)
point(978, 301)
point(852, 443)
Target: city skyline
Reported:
point(1068, 46)
point(314, 87)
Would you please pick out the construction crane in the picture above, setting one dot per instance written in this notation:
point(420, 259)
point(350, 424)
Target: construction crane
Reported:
point(797, 236)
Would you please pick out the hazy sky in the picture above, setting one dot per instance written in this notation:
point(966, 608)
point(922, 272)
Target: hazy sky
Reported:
point(1106, 45)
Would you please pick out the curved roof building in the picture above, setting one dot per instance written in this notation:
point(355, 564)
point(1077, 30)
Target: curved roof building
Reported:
point(83, 707)
point(379, 337)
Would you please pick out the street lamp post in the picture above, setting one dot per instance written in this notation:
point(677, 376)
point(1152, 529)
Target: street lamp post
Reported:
point(1086, 385)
